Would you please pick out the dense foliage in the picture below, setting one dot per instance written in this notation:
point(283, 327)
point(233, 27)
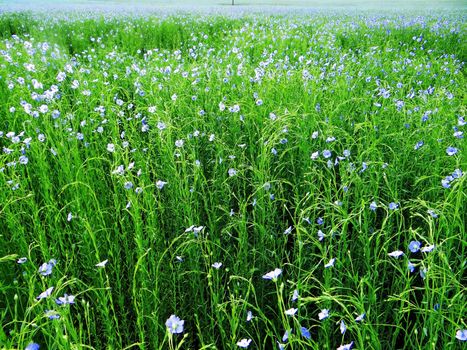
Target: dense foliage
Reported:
point(292, 181)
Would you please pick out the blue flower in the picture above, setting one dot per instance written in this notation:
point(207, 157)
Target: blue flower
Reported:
point(65, 300)
point(418, 145)
point(360, 317)
point(286, 335)
point(32, 346)
point(52, 315)
point(45, 294)
point(461, 334)
point(273, 274)
point(22, 260)
point(174, 324)
point(393, 206)
point(451, 151)
point(46, 268)
point(305, 333)
point(327, 153)
point(295, 295)
point(373, 206)
point(411, 267)
point(323, 314)
point(414, 246)
point(319, 221)
point(343, 327)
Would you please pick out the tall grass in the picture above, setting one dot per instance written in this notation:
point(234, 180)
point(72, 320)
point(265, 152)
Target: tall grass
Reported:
point(165, 145)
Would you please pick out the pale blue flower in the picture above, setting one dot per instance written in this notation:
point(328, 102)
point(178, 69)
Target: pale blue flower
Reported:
point(343, 327)
point(323, 314)
point(461, 334)
point(346, 346)
point(373, 206)
point(244, 343)
point(396, 253)
point(451, 151)
point(360, 317)
point(217, 265)
point(330, 263)
point(174, 324)
point(45, 294)
point(291, 312)
point(273, 274)
point(414, 246)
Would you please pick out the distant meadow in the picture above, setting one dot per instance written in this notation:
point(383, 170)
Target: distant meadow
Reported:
point(197, 175)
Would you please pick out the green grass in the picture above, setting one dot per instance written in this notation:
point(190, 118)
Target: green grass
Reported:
point(303, 84)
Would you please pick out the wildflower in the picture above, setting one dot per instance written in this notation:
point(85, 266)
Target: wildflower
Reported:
point(321, 235)
point(418, 145)
point(330, 263)
point(288, 230)
point(102, 263)
point(451, 151)
point(69, 217)
point(345, 347)
point(320, 221)
point(305, 333)
point(160, 184)
point(32, 346)
point(249, 316)
point(65, 300)
point(411, 267)
point(52, 315)
point(396, 253)
point(343, 327)
point(414, 246)
point(323, 314)
point(232, 172)
point(428, 248)
point(128, 185)
point(432, 213)
point(393, 206)
point(174, 324)
point(111, 147)
point(179, 143)
point(46, 268)
point(295, 295)
point(373, 206)
point(217, 265)
point(291, 312)
point(423, 272)
point(244, 343)
point(315, 155)
point(22, 260)
point(286, 335)
point(360, 317)
point(327, 153)
point(45, 294)
point(273, 274)
point(461, 334)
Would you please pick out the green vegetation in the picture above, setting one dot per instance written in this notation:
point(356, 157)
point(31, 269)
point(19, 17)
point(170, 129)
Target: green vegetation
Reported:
point(157, 166)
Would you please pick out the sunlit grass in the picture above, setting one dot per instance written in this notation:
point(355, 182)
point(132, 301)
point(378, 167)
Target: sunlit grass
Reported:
point(159, 166)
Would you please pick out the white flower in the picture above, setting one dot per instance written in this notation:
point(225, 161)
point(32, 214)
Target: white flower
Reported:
point(244, 343)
